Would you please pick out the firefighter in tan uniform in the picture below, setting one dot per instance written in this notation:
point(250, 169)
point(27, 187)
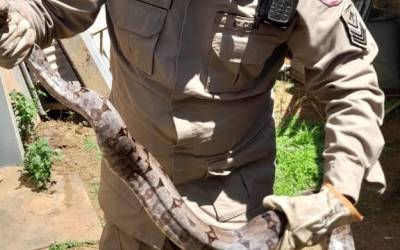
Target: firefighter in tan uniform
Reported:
point(192, 79)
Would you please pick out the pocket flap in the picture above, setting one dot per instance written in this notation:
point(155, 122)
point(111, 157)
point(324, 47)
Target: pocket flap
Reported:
point(239, 40)
point(165, 4)
point(138, 17)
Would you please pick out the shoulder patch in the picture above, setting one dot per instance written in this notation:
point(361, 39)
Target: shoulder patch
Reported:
point(355, 27)
point(331, 3)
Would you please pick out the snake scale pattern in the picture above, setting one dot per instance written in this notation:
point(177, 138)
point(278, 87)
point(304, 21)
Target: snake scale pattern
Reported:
point(145, 176)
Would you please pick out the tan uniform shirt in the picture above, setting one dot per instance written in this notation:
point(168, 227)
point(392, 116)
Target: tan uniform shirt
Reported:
point(192, 79)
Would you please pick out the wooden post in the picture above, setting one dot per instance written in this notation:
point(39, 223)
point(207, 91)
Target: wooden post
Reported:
point(88, 63)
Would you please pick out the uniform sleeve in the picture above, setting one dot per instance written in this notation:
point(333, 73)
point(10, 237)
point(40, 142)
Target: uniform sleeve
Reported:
point(337, 51)
point(58, 18)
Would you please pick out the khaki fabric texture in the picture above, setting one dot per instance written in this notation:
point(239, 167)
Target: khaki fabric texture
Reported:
point(192, 79)
point(17, 35)
point(311, 218)
point(222, 201)
point(175, 61)
point(113, 238)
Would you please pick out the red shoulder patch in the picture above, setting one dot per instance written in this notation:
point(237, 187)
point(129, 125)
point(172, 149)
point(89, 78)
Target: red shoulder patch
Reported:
point(331, 3)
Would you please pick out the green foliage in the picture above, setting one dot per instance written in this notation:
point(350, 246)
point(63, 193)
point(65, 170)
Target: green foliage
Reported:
point(90, 144)
point(299, 156)
point(39, 155)
point(39, 158)
point(25, 111)
point(71, 115)
point(71, 244)
point(40, 92)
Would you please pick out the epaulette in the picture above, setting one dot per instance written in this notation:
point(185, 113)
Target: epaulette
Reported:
point(355, 27)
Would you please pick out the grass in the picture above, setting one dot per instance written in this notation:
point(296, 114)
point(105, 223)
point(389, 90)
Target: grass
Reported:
point(299, 156)
point(71, 244)
point(90, 144)
point(94, 188)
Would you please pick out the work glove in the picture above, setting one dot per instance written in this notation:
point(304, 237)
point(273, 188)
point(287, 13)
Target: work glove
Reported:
point(312, 218)
point(17, 35)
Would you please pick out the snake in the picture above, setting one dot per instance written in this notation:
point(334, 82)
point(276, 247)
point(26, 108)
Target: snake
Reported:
point(145, 176)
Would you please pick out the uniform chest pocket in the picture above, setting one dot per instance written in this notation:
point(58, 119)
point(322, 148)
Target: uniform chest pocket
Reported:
point(239, 50)
point(137, 26)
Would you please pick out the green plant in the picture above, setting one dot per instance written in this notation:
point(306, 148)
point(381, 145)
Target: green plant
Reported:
point(70, 115)
point(299, 156)
point(25, 111)
point(90, 144)
point(71, 244)
point(93, 187)
point(39, 91)
point(39, 158)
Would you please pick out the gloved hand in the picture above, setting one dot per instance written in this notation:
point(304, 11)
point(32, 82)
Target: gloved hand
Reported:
point(311, 218)
point(17, 35)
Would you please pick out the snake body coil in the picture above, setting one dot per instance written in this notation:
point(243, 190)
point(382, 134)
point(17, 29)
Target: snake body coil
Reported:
point(144, 175)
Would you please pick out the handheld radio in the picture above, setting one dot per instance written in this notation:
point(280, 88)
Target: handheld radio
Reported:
point(276, 12)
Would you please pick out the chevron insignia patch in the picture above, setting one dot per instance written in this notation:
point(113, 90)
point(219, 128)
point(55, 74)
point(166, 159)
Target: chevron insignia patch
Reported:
point(355, 27)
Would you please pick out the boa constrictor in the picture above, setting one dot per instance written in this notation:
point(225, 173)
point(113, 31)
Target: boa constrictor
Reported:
point(145, 177)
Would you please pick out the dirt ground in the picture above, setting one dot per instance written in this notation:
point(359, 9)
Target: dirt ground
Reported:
point(379, 230)
point(381, 226)
point(79, 153)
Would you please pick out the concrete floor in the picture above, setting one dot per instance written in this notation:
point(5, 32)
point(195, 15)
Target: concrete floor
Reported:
point(34, 220)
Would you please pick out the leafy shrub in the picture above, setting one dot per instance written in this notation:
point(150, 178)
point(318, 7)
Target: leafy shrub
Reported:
point(25, 111)
point(38, 161)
